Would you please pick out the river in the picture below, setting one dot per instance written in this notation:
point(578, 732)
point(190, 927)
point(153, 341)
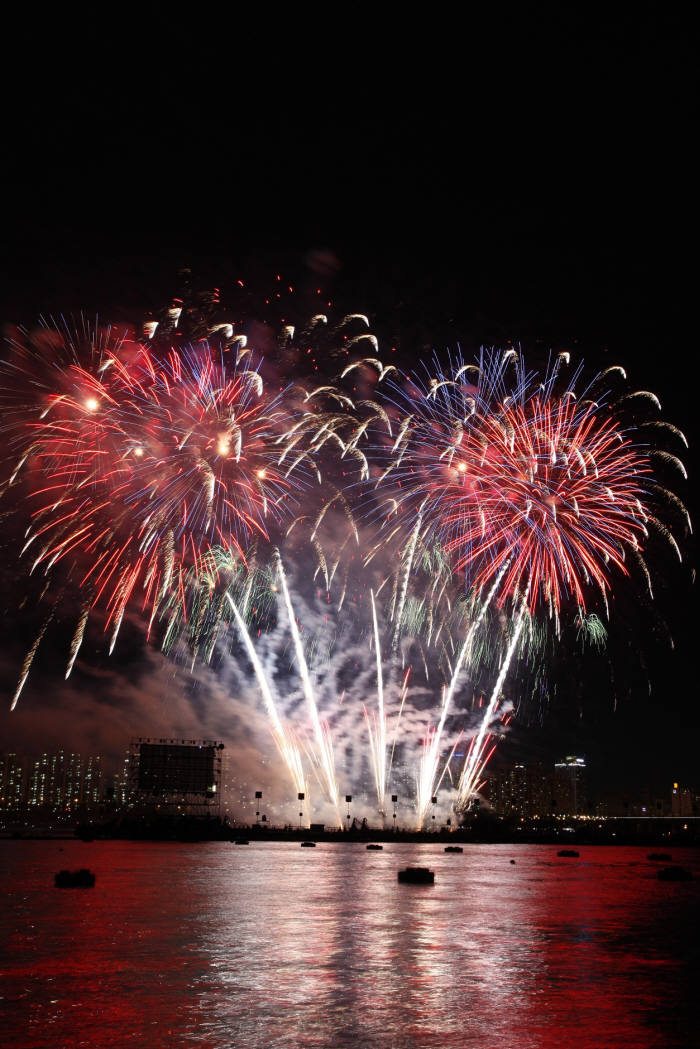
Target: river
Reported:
point(273, 946)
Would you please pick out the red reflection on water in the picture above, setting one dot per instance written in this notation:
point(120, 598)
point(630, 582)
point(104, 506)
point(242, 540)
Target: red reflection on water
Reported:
point(609, 947)
point(273, 946)
point(87, 967)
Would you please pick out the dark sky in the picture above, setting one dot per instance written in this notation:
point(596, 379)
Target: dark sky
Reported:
point(523, 175)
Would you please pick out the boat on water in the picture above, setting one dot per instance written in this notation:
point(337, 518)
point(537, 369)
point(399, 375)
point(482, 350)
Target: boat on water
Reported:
point(568, 852)
point(374, 848)
point(82, 879)
point(308, 844)
point(454, 848)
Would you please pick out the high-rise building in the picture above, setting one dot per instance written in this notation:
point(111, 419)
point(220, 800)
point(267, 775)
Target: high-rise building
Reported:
point(57, 781)
point(534, 791)
point(510, 792)
point(522, 791)
point(13, 781)
point(40, 781)
point(569, 798)
point(92, 781)
point(541, 791)
point(74, 781)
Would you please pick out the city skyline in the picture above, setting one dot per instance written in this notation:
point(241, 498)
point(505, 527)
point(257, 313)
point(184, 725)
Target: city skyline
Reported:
point(70, 783)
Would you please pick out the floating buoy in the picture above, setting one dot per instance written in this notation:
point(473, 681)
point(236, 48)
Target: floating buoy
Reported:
point(417, 876)
point(82, 879)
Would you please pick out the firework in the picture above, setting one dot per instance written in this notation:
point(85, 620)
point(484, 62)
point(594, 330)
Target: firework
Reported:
point(528, 490)
point(133, 468)
point(321, 730)
point(467, 516)
point(286, 745)
point(376, 724)
point(474, 765)
point(427, 772)
point(527, 480)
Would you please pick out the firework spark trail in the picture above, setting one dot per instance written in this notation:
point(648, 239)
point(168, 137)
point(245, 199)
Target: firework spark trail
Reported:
point(404, 693)
point(286, 746)
point(321, 733)
point(77, 639)
point(409, 564)
point(314, 760)
point(466, 646)
point(472, 765)
point(481, 759)
point(431, 749)
point(447, 763)
point(429, 764)
point(29, 659)
point(377, 725)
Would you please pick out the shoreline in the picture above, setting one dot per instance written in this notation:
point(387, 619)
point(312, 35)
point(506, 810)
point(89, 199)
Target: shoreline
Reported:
point(654, 833)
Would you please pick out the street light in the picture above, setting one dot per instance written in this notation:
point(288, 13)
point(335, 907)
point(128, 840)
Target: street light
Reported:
point(348, 799)
point(300, 799)
point(394, 799)
point(258, 797)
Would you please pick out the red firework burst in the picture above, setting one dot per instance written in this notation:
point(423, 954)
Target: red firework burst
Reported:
point(528, 491)
point(549, 494)
point(136, 466)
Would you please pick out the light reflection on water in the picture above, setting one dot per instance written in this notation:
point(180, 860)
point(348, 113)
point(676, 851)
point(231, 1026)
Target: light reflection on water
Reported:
point(270, 945)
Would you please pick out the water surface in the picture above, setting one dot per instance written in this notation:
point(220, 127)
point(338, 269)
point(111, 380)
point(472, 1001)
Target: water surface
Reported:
point(278, 947)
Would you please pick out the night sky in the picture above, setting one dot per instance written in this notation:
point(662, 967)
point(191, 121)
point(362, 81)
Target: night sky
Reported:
point(524, 176)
